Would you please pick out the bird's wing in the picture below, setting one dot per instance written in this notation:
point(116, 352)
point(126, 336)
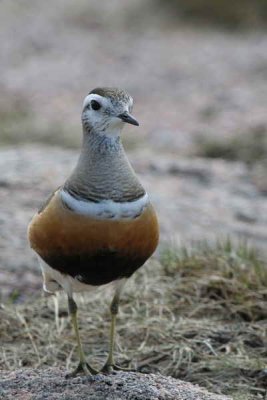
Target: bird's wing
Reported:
point(47, 201)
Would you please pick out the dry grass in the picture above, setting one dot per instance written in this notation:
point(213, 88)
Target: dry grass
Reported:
point(199, 315)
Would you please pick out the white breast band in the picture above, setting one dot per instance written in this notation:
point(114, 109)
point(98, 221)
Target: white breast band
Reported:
point(106, 209)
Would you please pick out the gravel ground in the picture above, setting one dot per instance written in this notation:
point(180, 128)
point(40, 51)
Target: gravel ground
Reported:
point(51, 384)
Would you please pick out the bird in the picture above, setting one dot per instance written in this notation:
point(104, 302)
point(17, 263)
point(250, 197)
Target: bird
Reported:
point(99, 226)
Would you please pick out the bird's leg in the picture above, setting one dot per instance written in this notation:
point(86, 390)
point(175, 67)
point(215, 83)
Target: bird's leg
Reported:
point(83, 366)
point(114, 308)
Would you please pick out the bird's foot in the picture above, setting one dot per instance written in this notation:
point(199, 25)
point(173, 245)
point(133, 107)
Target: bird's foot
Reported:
point(109, 368)
point(84, 368)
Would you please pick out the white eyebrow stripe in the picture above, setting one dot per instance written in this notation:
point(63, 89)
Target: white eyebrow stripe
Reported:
point(106, 209)
point(93, 96)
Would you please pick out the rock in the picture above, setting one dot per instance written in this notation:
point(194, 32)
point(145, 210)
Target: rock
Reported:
point(30, 384)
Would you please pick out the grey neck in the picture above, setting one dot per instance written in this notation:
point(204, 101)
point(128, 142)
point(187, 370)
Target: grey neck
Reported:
point(103, 171)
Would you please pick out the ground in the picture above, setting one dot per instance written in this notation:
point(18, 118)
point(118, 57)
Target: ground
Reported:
point(200, 97)
point(51, 384)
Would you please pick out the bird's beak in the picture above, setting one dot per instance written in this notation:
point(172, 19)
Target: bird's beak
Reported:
point(126, 117)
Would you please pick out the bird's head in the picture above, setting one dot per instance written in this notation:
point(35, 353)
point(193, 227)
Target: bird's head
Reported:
point(105, 110)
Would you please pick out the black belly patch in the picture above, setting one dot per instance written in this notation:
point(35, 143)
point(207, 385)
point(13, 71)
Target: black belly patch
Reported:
point(98, 269)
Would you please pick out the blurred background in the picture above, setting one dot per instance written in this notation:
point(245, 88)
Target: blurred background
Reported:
point(197, 70)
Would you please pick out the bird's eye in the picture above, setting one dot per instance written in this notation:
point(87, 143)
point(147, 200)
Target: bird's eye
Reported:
point(95, 105)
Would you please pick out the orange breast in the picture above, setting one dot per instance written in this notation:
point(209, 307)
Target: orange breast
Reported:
point(92, 248)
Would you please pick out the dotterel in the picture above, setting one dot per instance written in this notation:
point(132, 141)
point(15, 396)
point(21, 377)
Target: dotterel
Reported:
point(99, 226)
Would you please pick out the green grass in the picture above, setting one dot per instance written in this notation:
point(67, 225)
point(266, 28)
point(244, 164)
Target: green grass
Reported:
point(199, 314)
